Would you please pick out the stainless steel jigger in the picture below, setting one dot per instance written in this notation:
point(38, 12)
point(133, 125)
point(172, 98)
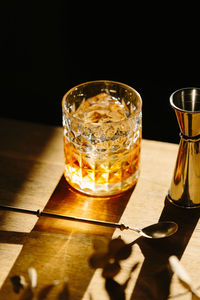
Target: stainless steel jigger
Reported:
point(185, 185)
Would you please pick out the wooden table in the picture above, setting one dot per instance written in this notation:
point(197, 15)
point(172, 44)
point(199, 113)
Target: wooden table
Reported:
point(31, 176)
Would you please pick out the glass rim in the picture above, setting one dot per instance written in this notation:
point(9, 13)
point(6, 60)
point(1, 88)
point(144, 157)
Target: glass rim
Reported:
point(103, 81)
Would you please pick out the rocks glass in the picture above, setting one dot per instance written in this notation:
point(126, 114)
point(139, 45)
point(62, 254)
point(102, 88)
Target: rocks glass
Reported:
point(102, 123)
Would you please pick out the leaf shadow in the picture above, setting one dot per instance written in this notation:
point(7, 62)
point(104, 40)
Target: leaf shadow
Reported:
point(42, 295)
point(153, 282)
point(55, 241)
point(115, 290)
point(64, 294)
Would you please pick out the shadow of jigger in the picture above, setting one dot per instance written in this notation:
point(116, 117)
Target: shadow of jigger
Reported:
point(185, 186)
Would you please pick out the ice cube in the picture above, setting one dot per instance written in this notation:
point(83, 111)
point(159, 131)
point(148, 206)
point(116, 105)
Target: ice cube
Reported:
point(101, 108)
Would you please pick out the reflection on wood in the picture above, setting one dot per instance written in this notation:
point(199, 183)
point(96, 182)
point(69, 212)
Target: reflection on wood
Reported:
point(59, 249)
point(32, 160)
point(65, 200)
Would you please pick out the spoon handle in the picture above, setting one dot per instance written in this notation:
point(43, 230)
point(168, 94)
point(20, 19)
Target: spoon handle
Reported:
point(40, 213)
point(136, 229)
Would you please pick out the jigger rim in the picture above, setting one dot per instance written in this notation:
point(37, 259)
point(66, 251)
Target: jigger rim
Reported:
point(181, 90)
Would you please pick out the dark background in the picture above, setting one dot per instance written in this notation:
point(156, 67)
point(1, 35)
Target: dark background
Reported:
point(49, 47)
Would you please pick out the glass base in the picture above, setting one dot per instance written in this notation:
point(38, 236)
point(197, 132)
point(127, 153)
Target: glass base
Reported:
point(106, 189)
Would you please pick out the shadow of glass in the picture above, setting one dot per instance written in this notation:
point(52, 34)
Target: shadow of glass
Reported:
point(153, 282)
point(60, 249)
point(66, 200)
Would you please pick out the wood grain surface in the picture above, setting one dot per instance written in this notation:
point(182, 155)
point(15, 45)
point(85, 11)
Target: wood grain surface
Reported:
point(31, 176)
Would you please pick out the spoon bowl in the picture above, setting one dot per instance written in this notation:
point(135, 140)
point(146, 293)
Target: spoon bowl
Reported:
point(158, 230)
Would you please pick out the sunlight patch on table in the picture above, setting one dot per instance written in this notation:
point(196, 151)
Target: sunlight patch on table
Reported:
point(8, 254)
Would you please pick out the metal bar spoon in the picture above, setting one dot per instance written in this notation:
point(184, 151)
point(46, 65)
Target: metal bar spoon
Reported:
point(155, 231)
